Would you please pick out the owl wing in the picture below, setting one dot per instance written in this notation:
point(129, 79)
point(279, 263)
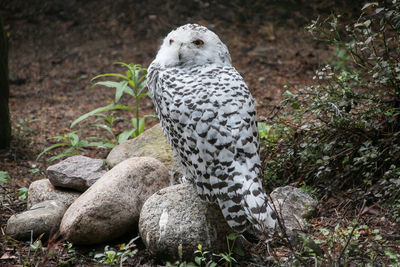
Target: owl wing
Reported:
point(209, 118)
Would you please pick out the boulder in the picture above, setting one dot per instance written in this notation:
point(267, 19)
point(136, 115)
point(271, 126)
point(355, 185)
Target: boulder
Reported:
point(42, 190)
point(293, 206)
point(151, 143)
point(175, 220)
point(110, 208)
point(76, 172)
point(41, 218)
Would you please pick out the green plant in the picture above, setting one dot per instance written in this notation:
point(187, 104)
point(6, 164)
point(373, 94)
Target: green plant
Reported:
point(345, 129)
point(203, 259)
point(35, 246)
point(356, 243)
point(71, 253)
point(116, 257)
point(73, 143)
point(4, 177)
point(23, 193)
point(133, 83)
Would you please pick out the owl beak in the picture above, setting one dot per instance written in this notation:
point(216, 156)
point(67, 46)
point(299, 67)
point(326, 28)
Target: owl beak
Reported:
point(180, 52)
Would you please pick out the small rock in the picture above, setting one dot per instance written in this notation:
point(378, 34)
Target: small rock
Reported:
point(175, 220)
point(76, 172)
point(42, 190)
point(44, 217)
point(293, 205)
point(151, 143)
point(110, 208)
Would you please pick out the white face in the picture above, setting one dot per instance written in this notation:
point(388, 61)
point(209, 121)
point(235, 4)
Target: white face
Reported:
point(192, 44)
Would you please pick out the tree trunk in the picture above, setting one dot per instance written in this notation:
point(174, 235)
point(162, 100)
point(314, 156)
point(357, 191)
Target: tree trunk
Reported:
point(5, 123)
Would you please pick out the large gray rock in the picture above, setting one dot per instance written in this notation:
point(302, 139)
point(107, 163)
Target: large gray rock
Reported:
point(151, 143)
point(42, 190)
point(76, 172)
point(293, 206)
point(110, 207)
point(44, 217)
point(175, 220)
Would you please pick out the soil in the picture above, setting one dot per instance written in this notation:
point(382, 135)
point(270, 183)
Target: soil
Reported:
point(56, 47)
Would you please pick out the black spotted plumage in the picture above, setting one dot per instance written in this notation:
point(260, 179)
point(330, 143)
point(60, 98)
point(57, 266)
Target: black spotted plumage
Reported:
point(208, 117)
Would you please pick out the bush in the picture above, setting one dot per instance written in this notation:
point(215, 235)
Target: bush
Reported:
point(344, 130)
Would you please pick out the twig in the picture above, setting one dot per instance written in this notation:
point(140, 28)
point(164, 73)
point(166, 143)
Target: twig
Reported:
point(351, 233)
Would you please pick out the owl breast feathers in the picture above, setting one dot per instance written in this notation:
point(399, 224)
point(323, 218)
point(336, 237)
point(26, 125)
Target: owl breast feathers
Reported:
point(209, 118)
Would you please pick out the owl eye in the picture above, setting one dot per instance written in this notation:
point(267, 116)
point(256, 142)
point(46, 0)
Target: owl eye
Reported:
point(198, 42)
point(171, 41)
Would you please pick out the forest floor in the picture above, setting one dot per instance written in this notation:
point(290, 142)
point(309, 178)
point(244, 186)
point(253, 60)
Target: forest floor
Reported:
point(57, 47)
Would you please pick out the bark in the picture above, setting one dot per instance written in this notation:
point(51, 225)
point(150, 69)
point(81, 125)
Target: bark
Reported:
point(5, 123)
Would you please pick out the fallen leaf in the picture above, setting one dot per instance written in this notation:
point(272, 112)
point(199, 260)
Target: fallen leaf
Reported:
point(7, 256)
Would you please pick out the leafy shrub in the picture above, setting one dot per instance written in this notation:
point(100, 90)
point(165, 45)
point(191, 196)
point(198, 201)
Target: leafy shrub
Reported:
point(344, 130)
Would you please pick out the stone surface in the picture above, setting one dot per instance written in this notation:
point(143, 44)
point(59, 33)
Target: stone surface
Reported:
point(44, 217)
point(76, 172)
point(42, 190)
point(110, 207)
point(175, 220)
point(293, 205)
point(151, 143)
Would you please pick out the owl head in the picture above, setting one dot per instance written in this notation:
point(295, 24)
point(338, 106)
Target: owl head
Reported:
point(192, 44)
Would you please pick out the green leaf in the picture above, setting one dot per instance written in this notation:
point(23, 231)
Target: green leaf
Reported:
point(99, 110)
point(35, 170)
point(232, 236)
point(141, 87)
point(123, 88)
point(110, 84)
point(108, 75)
point(141, 125)
point(74, 139)
point(50, 148)
point(142, 95)
point(36, 245)
point(23, 193)
point(197, 260)
point(101, 144)
point(98, 255)
point(153, 116)
point(4, 177)
point(122, 137)
point(62, 155)
point(105, 127)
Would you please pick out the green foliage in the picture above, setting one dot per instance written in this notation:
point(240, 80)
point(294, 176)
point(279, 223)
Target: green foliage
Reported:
point(35, 246)
point(115, 257)
point(133, 84)
point(23, 193)
point(345, 130)
point(73, 145)
point(4, 177)
point(359, 245)
point(208, 259)
point(71, 255)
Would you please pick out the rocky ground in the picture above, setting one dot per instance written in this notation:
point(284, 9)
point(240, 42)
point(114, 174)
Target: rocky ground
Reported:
point(57, 47)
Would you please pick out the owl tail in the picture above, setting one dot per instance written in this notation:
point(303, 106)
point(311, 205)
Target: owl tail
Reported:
point(258, 210)
point(248, 209)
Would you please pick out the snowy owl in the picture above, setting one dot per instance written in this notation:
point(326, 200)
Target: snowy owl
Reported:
point(209, 118)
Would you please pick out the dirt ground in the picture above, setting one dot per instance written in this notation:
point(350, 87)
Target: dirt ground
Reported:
point(56, 47)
